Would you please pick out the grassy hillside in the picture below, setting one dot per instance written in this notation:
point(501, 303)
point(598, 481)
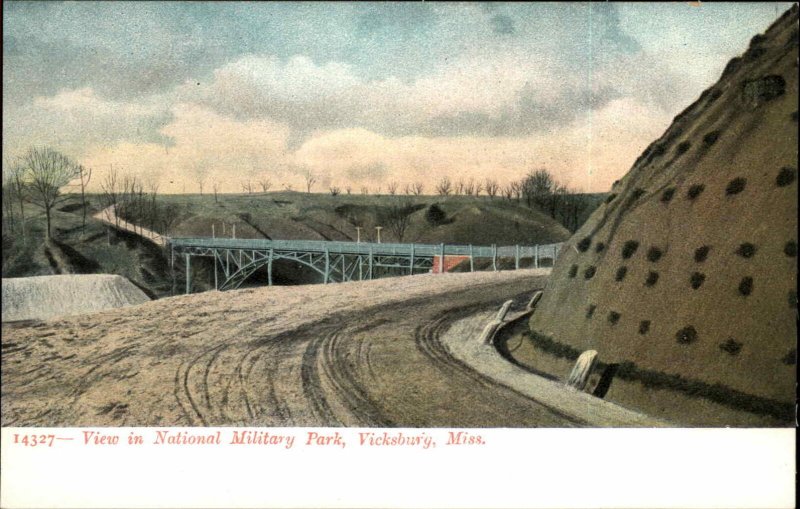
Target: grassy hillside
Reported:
point(279, 215)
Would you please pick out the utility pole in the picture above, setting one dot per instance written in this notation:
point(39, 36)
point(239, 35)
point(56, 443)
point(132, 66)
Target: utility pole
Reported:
point(358, 234)
point(379, 228)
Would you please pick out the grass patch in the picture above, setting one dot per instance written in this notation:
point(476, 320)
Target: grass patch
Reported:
point(697, 280)
point(652, 279)
point(746, 250)
point(654, 254)
point(620, 275)
point(686, 336)
point(701, 253)
point(786, 176)
point(746, 286)
point(731, 346)
point(695, 191)
point(667, 195)
point(735, 186)
point(629, 248)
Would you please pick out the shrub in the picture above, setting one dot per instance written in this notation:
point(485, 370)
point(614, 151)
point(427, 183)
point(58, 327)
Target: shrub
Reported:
point(763, 89)
point(629, 248)
point(652, 278)
point(683, 147)
point(785, 177)
point(790, 249)
point(435, 215)
point(746, 286)
point(715, 94)
point(654, 254)
point(644, 327)
point(667, 195)
point(686, 335)
point(659, 150)
point(613, 317)
point(710, 138)
point(584, 244)
point(746, 250)
point(735, 186)
point(733, 64)
point(731, 346)
point(573, 271)
point(757, 39)
point(701, 253)
point(697, 280)
point(620, 275)
point(790, 359)
point(610, 197)
point(589, 272)
point(590, 311)
point(695, 190)
point(599, 247)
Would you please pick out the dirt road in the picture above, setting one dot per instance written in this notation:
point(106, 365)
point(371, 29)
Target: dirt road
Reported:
point(353, 354)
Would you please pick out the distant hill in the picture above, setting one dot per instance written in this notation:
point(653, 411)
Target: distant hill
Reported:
point(685, 280)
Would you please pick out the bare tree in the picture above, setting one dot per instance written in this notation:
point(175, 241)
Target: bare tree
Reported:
point(14, 193)
point(47, 171)
point(247, 186)
point(110, 196)
point(417, 188)
point(398, 218)
point(348, 189)
point(444, 187)
point(364, 190)
point(310, 181)
point(459, 187)
point(468, 187)
point(201, 182)
point(335, 191)
point(392, 187)
point(478, 188)
point(215, 188)
point(84, 176)
point(491, 187)
point(287, 187)
point(265, 184)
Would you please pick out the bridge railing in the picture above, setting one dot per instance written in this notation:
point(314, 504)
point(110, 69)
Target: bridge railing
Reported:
point(380, 249)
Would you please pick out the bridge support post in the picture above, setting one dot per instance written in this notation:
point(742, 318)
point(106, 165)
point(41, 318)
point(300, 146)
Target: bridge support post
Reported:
point(411, 264)
point(327, 266)
point(494, 257)
point(516, 257)
point(536, 256)
point(188, 273)
point(441, 259)
point(369, 263)
point(216, 277)
point(360, 268)
point(471, 259)
point(269, 267)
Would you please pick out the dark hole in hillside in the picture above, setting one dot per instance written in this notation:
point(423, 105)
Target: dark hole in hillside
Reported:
point(790, 249)
point(573, 271)
point(652, 278)
point(695, 191)
point(611, 197)
point(584, 244)
point(746, 286)
point(731, 346)
point(629, 248)
point(701, 253)
point(590, 311)
point(790, 359)
point(620, 275)
point(667, 195)
point(613, 317)
point(697, 280)
point(71, 207)
point(605, 381)
point(683, 147)
point(785, 177)
point(599, 247)
point(710, 138)
point(735, 186)
point(654, 254)
point(746, 250)
point(589, 272)
point(686, 335)
point(644, 327)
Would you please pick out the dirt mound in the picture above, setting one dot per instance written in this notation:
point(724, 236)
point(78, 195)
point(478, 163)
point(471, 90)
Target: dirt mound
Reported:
point(44, 297)
point(685, 280)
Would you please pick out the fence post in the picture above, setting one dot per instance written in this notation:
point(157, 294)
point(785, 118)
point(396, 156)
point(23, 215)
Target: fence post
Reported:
point(369, 263)
point(234, 230)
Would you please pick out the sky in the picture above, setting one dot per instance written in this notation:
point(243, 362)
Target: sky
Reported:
point(359, 94)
